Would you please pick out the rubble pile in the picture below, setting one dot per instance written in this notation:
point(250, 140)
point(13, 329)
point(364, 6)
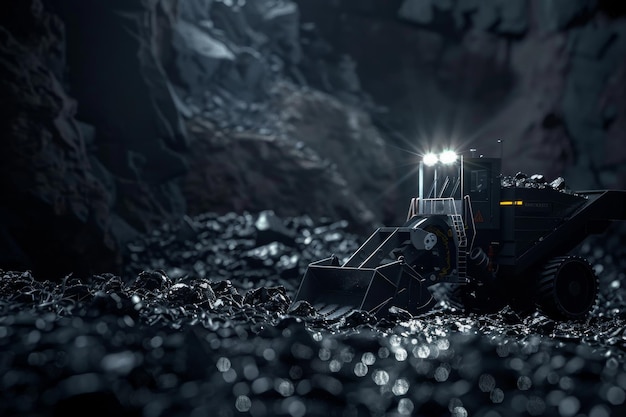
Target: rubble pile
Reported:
point(250, 250)
point(522, 180)
point(202, 323)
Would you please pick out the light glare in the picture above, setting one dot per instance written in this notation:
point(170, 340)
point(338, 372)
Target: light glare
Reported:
point(430, 159)
point(448, 157)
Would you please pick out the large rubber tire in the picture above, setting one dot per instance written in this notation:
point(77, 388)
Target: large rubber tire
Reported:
point(567, 288)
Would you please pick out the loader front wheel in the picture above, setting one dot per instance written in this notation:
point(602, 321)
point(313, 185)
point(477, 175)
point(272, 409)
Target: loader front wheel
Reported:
point(567, 288)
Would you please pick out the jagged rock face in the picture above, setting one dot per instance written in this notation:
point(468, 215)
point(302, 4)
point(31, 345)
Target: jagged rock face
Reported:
point(124, 93)
point(136, 70)
point(54, 210)
point(320, 157)
point(278, 145)
point(547, 78)
point(72, 187)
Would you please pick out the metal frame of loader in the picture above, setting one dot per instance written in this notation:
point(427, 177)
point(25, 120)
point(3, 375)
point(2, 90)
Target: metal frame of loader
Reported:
point(488, 245)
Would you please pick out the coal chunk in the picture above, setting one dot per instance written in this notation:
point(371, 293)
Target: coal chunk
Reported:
point(274, 299)
point(270, 228)
point(152, 280)
point(558, 184)
point(521, 180)
point(302, 308)
point(182, 293)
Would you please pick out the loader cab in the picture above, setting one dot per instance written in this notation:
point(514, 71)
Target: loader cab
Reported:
point(469, 188)
point(481, 182)
point(451, 184)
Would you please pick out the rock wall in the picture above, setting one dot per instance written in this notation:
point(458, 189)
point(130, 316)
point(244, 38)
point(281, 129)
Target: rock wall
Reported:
point(545, 77)
point(99, 98)
point(119, 115)
point(54, 211)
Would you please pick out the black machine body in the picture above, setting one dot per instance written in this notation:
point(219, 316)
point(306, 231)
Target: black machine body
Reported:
point(488, 240)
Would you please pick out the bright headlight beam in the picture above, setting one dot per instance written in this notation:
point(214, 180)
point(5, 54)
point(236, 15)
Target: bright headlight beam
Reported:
point(430, 159)
point(448, 157)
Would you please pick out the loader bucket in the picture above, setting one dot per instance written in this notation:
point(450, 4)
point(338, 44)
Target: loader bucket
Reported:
point(326, 284)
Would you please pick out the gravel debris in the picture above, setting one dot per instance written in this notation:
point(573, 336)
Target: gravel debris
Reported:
point(201, 323)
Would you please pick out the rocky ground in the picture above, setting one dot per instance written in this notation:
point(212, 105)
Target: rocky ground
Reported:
point(201, 323)
point(119, 116)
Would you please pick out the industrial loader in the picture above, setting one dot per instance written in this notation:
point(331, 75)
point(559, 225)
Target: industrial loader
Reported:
point(476, 241)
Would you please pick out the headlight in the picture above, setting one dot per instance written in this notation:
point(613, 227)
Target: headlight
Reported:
point(448, 157)
point(430, 159)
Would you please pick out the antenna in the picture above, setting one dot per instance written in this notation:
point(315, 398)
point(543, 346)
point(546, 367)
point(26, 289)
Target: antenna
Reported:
point(501, 148)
